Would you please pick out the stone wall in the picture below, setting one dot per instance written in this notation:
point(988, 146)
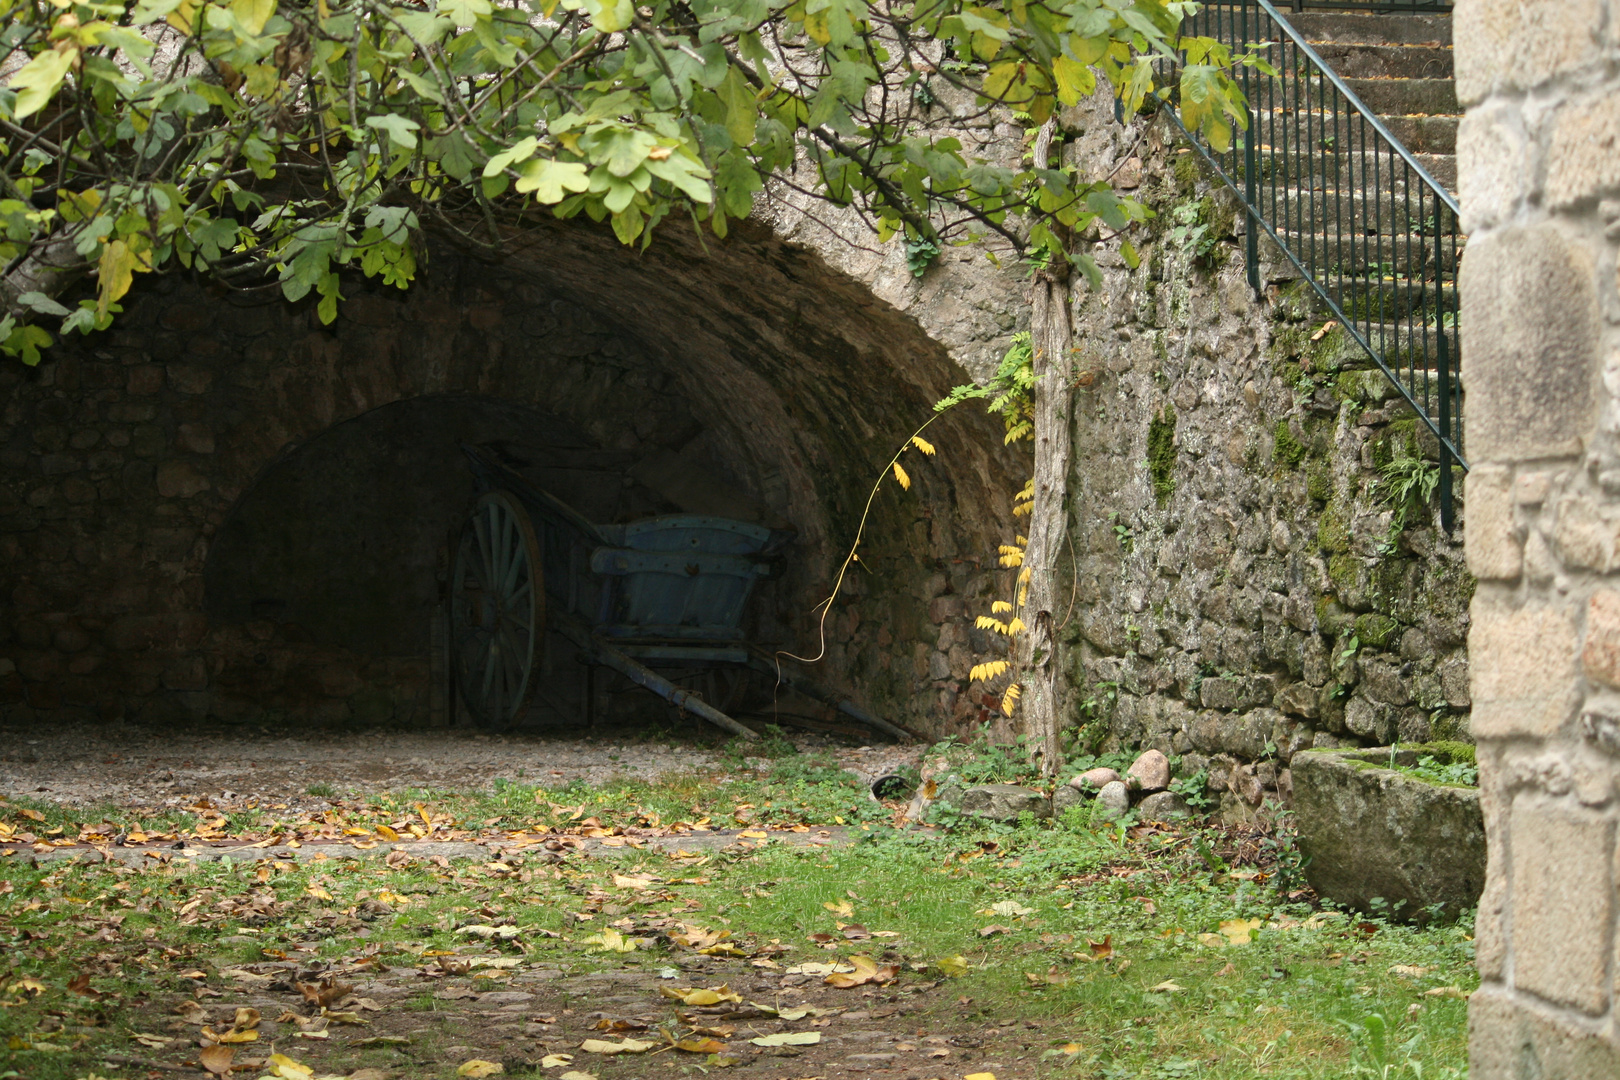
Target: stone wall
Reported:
point(1540, 181)
point(221, 509)
point(1241, 588)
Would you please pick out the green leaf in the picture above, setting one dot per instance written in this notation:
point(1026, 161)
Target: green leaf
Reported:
point(1074, 80)
point(522, 150)
point(1128, 253)
point(465, 13)
point(549, 180)
point(38, 301)
point(39, 78)
point(401, 130)
point(742, 111)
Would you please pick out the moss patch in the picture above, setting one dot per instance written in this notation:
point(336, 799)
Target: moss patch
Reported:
point(1377, 631)
point(1290, 451)
point(1161, 447)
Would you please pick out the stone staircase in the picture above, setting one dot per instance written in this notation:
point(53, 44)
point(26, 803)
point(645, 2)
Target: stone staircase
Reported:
point(1355, 210)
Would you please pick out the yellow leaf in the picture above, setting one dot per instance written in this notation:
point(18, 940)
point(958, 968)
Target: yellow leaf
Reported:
point(556, 1061)
point(1015, 627)
point(612, 941)
point(843, 908)
point(900, 475)
point(1239, 931)
point(700, 996)
point(628, 1046)
point(283, 1066)
point(246, 1019)
point(253, 14)
point(387, 833)
point(318, 892)
point(923, 444)
point(234, 1036)
point(478, 1067)
point(1168, 987)
point(980, 1076)
point(789, 1038)
point(1009, 699)
point(623, 881)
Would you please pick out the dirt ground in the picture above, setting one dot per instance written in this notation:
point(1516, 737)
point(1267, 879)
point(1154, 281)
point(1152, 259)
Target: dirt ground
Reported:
point(129, 765)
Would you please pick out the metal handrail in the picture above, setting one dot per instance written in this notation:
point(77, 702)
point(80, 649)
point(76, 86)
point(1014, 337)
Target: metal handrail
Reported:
point(1357, 214)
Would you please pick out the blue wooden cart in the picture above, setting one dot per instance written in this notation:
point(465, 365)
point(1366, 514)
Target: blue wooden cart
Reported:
point(668, 591)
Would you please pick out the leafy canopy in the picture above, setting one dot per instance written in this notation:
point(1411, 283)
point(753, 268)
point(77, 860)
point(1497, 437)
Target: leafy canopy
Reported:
point(273, 143)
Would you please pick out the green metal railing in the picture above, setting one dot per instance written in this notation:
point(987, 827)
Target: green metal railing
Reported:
point(1352, 209)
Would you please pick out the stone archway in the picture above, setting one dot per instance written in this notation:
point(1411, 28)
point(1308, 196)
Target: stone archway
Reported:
point(746, 372)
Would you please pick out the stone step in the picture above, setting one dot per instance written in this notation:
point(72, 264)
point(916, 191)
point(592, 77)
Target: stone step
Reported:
point(1419, 134)
point(1330, 251)
point(1400, 97)
point(1333, 210)
point(1282, 163)
point(1387, 61)
point(1368, 28)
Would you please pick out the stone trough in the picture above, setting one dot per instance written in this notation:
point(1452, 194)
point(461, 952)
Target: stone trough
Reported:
point(1372, 832)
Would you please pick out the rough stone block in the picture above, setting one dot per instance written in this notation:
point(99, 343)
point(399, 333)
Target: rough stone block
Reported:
point(1505, 45)
point(145, 379)
point(1562, 908)
point(1527, 687)
point(190, 380)
point(1583, 155)
point(1004, 802)
point(178, 480)
point(1601, 654)
point(1491, 165)
point(1150, 772)
point(1530, 377)
point(1511, 1037)
point(1494, 550)
point(1298, 699)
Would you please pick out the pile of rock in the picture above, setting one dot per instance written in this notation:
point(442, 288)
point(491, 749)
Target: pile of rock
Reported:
point(1146, 784)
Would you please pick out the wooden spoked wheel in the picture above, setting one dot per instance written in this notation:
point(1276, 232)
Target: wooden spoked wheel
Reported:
point(497, 611)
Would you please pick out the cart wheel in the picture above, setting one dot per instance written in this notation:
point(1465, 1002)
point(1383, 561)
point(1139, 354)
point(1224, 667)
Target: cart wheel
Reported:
point(497, 611)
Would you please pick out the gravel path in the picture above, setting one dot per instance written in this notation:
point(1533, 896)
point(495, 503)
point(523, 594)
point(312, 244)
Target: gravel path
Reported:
point(130, 765)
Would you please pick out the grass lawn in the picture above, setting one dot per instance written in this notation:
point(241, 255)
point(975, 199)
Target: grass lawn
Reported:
point(1076, 948)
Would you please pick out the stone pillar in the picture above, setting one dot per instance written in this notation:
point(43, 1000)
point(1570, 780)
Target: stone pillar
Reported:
point(1539, 173)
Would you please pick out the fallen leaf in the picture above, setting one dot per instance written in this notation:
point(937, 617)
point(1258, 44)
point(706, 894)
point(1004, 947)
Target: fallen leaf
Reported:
point(345, 1017)
point(233, 1036)
point(866, 971)
point(556, 1061)
point(1168, 987)
point(246, 1019)
point(788, 1038)
point(1409, 970)
point(382, 1040)
point(387, 833)
point(753, 834)
point(368, 1074)
point(80, 985)
point(154, 1042)
point(611, 941)
point(638, 882)
point(813, 968)
point(1010, 909)
point(980, 1076)
point(1101, 950)
point(701, 1046)
point(1229, 969)
point(491, 933)
point(1448, 991)
point(628, 1046)
point(1239, 931)
point(952, 967)
point(843, 908)
point(577, 1075)
point(283, 1066)
point(27, 986)
point(479, 1067)
point(318, 893)
point(690, 996)
point(216, 1059)
point(994, 929)
point(328, 991)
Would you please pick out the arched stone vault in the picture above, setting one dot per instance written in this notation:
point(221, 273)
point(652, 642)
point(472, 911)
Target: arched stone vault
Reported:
point(249, 465)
